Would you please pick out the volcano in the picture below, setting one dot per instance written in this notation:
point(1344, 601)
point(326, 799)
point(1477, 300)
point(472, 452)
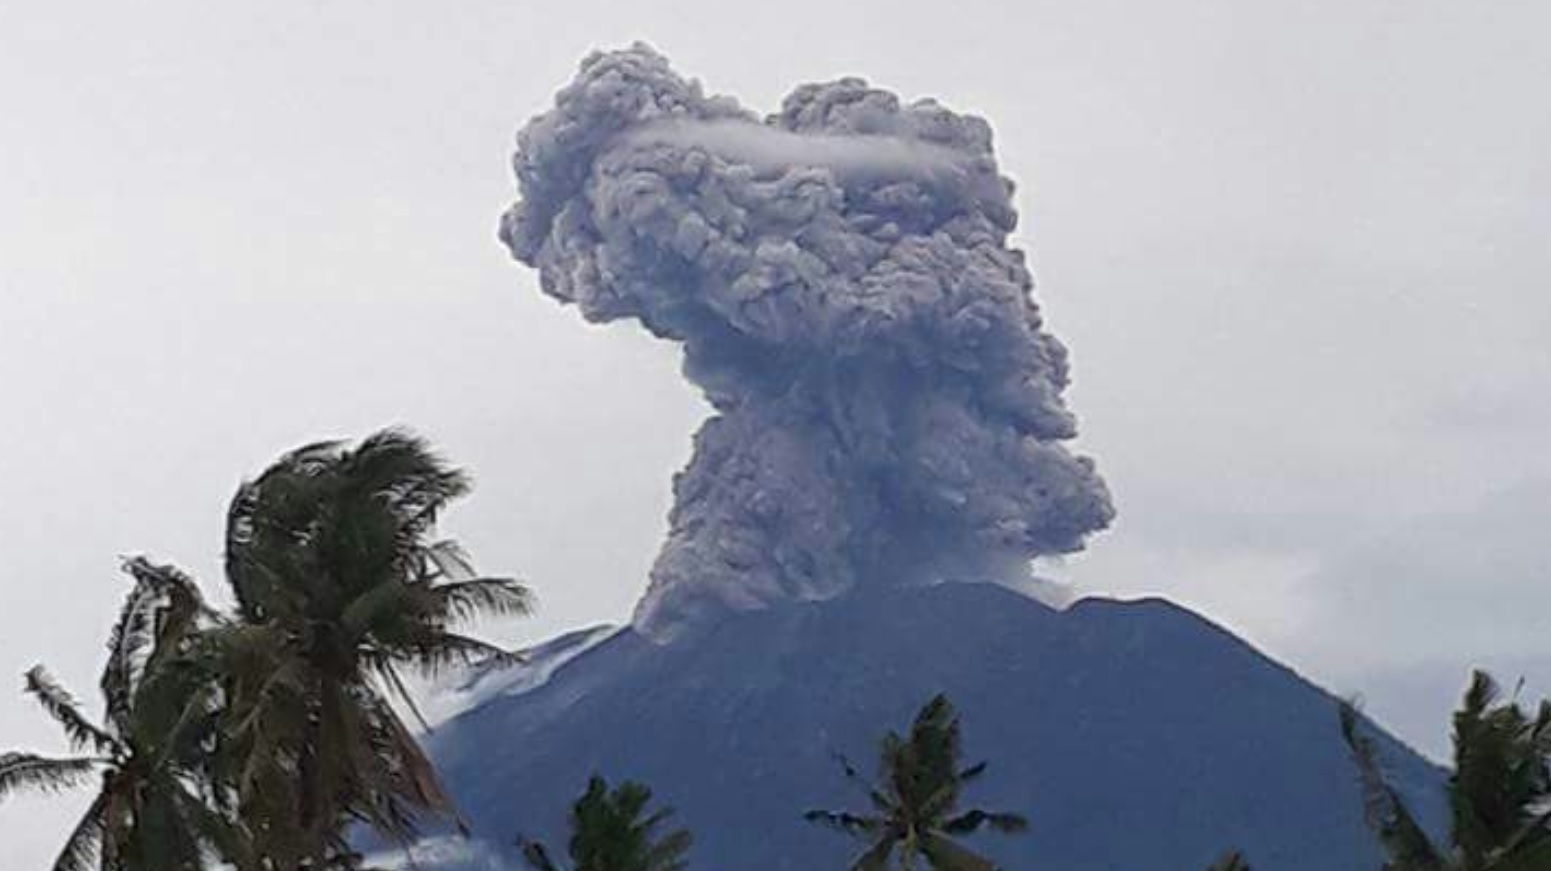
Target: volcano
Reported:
point(888, 452)
point(1134, 735)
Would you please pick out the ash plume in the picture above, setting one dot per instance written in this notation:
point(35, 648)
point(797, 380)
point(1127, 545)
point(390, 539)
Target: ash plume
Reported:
point(887, 403)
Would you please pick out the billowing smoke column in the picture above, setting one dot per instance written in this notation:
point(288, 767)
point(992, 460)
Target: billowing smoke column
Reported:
point(888, 408)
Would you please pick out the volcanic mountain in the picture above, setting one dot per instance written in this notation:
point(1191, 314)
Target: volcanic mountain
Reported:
point(1134, 735)
point(889, 449)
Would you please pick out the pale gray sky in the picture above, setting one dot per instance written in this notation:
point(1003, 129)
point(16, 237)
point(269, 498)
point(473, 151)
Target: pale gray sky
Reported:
point(1298, 251)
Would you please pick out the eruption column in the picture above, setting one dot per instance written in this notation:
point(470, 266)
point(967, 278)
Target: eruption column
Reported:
point(888, 406)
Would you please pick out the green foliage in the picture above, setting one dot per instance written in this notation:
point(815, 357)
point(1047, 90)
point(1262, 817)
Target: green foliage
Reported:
point(915, 812)
point(1499, 791)
point(339, 586)
point(611, 830)
point(152, 810)
point(258, 739)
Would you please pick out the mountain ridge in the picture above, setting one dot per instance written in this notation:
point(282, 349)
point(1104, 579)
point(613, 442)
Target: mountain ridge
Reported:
point(1133, 734)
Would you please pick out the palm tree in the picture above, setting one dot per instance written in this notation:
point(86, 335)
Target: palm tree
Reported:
point(915, 803)
point(1233, 861)
point(339, 586)
point(1499, 791)
point(612, 831)
point(152, 809)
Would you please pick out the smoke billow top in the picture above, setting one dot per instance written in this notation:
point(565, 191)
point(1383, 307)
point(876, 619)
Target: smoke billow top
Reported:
point(888, 405)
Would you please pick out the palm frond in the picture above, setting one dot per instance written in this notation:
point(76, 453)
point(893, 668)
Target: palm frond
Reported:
point(972, 821)
point(447, 560)
point(85, 841)
point(62, 706)
point(536, 855)
point(1402, 837)
point(180, 607)
point(1480, 695)
point(945, 855)
point(468, 600)
point(433, 655)
point(20, 771)
point(401, 470)
point(365, 611)
point(167, 580)
point(416, 774)
point(268, 518)
point(668, 853)
point(851, 824)
point(129, 643)
point(877, 856)
point(160, 609)
point(399, 690)
point(852, 775)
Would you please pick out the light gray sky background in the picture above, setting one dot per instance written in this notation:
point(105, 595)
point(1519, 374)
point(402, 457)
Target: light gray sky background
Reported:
point(1299, 251)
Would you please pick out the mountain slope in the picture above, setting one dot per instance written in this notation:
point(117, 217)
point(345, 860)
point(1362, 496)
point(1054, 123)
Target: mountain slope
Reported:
point(1133, 735)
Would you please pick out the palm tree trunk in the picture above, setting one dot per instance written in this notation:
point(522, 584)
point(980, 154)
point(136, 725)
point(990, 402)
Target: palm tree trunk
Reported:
point(316, 810)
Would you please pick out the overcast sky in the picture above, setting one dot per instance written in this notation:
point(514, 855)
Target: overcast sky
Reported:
point(1299, 252)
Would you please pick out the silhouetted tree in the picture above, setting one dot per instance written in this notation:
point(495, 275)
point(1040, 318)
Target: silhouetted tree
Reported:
point(339, 586)
point(154, 810)
point(915, 811)
point(611, 830)
point(1499, 791)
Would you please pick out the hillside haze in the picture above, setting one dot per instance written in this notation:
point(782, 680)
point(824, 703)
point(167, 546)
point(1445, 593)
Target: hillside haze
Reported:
point(1133, 735)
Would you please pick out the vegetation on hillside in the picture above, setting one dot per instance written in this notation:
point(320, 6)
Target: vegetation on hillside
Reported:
point(915, 803)
point(613, 830)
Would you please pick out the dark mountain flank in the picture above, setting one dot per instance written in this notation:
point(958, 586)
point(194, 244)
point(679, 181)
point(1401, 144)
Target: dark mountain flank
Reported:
point(1134, 735)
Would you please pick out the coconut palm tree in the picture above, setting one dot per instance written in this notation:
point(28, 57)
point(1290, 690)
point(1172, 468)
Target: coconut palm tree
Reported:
point(153, 810)
point(915, 811)
point(611, 830)
point(1499, 791)
point(339, 586)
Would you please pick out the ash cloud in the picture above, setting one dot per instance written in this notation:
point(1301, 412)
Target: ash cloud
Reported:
point(888, 404)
